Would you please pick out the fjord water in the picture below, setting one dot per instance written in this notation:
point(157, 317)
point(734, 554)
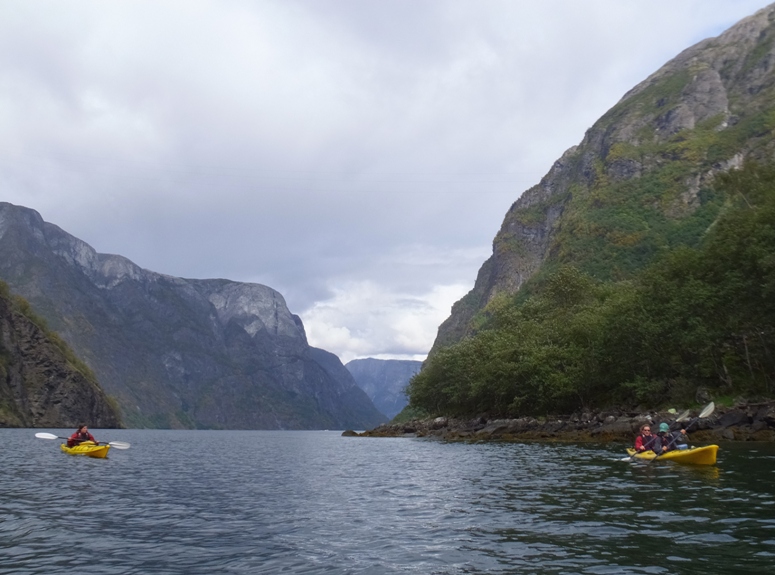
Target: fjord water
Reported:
point(245, 502)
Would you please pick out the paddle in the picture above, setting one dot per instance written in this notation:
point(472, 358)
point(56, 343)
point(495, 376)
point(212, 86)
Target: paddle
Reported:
point(115, 444)
point(684, 415)
point(703, 414)
point(706, 412)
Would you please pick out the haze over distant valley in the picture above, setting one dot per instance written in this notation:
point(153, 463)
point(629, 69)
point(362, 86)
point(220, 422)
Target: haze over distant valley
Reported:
point(384, 381)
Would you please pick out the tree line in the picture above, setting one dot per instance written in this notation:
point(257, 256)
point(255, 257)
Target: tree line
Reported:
point(695, 316)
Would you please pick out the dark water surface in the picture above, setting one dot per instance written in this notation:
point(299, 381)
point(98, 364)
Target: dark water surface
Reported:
point(243, 502)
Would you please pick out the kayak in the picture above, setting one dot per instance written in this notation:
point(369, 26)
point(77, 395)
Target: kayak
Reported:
point(87, 448)
point(696, 455)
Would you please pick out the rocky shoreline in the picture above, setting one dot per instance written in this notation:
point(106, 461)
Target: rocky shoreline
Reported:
point(743, 422)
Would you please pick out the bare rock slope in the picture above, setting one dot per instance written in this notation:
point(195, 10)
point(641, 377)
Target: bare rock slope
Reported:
point(174, 352)
point(39, 385)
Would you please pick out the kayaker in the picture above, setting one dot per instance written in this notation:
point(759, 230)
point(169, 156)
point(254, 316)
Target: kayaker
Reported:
point(645, 440)
point(662, 439)
point(81, 435)
point(672, 439)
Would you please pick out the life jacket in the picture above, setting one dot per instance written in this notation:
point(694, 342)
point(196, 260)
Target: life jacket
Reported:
point(646, 441)
point(674, 440)
point(77, 438)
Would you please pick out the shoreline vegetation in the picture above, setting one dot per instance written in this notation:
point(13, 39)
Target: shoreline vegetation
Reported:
point(749, 421)
point(694, 316)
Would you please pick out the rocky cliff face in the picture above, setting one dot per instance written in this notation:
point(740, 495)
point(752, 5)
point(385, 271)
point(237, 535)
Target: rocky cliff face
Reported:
point(177, 352)
point(384, 381)
point(39, 386)
point(638, 179)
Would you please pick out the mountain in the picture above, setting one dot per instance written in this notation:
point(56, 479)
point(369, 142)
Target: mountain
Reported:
point(42, 384)
point(640, 271)
point(384, 381)
point(174, 352)
point(641, 179)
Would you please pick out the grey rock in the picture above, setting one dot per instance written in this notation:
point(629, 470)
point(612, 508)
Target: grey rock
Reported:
point(39, 385)
point(728, 423)
point(439, 423)
point(766, 414)
point(759, 425)
point(733, 418)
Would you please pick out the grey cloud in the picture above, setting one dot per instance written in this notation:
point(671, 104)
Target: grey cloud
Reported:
point(313, 144)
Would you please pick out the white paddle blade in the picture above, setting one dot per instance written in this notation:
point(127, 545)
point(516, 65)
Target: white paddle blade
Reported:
point(708, 410)
point(119, 445)
point(684, 416)
point(43, 435)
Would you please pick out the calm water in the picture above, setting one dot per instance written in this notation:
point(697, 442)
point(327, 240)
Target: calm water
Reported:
point(244, 502)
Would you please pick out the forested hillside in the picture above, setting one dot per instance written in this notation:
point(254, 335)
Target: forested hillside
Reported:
point(639, 269)
point(701, 316)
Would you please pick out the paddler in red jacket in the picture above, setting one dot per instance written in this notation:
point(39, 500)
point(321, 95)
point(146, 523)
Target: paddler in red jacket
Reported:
point(80, 436)
point(645, 441)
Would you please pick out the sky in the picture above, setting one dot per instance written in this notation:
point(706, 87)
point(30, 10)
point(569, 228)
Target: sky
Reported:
point(358, 156)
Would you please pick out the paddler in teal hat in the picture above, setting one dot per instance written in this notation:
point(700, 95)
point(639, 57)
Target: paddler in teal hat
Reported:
point(667, 440)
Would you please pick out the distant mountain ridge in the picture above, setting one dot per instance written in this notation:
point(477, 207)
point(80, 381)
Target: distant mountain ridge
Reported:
point(174, 352)
point(639, 180)
point(384, 381)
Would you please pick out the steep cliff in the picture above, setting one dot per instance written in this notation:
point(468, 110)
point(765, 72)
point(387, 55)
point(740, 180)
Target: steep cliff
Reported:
point(384, 381)
point(40, 385)
point(639, 181)
point(176, 352)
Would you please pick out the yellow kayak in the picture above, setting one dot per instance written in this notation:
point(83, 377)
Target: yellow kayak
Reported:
point(88, 448)
point(696, 455)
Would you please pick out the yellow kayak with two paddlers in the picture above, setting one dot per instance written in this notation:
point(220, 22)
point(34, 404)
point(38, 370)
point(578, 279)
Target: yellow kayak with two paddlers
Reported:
point(694, 455)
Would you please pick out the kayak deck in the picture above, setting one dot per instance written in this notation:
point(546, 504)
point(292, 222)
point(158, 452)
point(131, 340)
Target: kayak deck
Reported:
point(87, 448)
point(696, 455)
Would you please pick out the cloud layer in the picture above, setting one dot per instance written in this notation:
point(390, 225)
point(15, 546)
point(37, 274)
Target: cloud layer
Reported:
point(356, 155)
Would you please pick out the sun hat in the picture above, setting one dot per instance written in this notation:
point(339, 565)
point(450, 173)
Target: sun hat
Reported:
point(664, 428)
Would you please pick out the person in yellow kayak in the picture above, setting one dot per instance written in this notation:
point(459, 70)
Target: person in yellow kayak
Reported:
point(645, 440)
point(80, 436)
point(670, 440)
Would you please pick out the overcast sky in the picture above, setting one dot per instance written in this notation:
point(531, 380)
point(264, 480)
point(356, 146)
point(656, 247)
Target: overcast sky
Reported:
point(356, 155)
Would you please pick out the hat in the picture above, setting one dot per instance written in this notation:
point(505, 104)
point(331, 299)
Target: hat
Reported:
point(664, 428)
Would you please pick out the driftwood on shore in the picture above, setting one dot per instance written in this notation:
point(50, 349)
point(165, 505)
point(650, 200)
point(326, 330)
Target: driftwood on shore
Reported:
point(749, 422)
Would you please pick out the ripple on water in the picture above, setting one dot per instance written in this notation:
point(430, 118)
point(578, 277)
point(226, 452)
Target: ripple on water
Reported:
point(313, 502)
